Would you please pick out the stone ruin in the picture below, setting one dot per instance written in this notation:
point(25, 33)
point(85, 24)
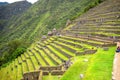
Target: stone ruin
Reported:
point(44, 37)
point(44, 70)
point(50, 33)
point(67, 64)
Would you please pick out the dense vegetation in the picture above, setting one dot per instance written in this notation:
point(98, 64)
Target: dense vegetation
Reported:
point(83, 50)
point(13, 49)
point(40, 18)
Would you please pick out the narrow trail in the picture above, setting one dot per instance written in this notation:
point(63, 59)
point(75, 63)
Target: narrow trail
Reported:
point(116, 65)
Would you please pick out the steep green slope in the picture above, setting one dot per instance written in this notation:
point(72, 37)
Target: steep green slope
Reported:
point(43, 16)
point(9, 13)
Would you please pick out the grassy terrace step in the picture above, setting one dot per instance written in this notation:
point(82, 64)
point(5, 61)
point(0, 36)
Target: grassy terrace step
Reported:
point(19, 72)
point(66, 47)
point(19, 60)
point(26, 55)
point(77, 45)
point(53, 58)
point(41, 44)
point(6, 73)
point(32, 63)
point(3, 72)
point(102, 15)
point(29, 52)
point(70, 48)
point(23, 57)
point(99, 25)
point(24, 67)
point(94, 39)
point(99, 19)
point(101, 34)
point(15, 71)
point(35, 62)
point(117, 32)
point(72, 43)
point(61, 56)
point(108, 8)
point(90, 42)
point(45, 56)
point(105, 14)
point(38, 57)
point(93, 26)
point(35, 57)
point(96, 29)
point(117, 22)
point(29, 63)
point(43, 61)
point(62, 50)
point(16, 62)
point(10, 70)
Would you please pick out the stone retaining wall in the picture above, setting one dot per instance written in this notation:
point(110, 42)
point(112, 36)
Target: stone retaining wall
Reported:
point(50, 68)
point(86, 52)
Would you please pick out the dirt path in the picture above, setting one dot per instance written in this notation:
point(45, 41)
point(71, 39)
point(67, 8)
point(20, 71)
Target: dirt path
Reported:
point(116, 66)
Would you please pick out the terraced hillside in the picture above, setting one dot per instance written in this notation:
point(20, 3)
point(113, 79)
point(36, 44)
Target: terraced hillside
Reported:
point(94, 32)
point(101, 22)
point(44, 15)
point(40, 18)
point(48, 53)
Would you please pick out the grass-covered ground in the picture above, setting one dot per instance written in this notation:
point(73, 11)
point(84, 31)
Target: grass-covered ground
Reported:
point(98, 67)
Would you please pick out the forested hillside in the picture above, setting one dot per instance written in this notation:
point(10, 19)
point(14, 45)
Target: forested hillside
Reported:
point(8, 12)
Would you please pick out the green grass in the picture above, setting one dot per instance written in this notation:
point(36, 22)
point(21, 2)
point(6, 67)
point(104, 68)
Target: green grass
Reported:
point(63, 49)
point(79, 67)
point(58, 53)
point(53, 56)
point(30, 65)
point(51, 77)
point(40, 59)
point(35, 62)
point(25, 67)
point(47, 58)
point(99, 66)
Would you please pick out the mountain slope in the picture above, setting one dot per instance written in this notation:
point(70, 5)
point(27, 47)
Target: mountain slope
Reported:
point(79, 38)
point(41, 17)
point(16, 8)
point(8, 11)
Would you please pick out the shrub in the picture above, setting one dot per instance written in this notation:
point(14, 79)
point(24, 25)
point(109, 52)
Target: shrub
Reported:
point(13, 49)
